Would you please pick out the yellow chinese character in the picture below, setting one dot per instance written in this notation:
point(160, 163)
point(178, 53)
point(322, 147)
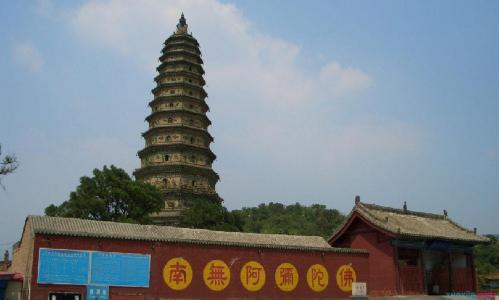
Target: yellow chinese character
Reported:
point(177, 273)
point(286, 277)
point(317, 277)
point(345, 276)
point(253, 276)
point(216, 275)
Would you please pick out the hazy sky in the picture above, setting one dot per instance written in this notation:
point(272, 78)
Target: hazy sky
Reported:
point(311, 101)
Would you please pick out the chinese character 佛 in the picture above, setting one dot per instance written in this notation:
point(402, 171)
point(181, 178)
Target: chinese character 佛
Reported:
point(346, 277)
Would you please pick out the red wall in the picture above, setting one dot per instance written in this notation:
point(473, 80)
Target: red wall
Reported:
point(383, 277)
point(198, 256)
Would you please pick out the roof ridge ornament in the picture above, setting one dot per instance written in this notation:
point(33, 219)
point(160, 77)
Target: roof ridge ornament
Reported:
point(405, 206)
point(357, 199)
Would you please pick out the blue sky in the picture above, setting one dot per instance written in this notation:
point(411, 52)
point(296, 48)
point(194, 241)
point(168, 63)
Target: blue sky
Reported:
point(311, 101)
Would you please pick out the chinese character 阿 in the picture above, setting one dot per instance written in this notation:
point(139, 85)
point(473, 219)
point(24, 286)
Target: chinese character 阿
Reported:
point(178, 273)
point(217, 275)
point(286, 276)
point(252, 273)
point(317, 276)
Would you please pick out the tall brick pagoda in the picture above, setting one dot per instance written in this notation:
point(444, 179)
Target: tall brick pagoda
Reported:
point(177, 156)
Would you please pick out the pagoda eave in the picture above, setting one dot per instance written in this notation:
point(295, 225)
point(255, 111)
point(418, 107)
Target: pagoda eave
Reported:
point(168, 47)
point(190, 193)
point(180, 62)
point(173, 53)
point(180, 169)
point(176, 37)
point(180, 111)
point(171, 128)
point(179, 97)
point(163, 86)
point(178, 73)
point(151, 149)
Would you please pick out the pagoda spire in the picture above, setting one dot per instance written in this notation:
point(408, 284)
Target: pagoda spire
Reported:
point(177, 157)
point(182, 25)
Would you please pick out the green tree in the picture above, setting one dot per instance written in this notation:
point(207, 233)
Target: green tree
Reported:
point(206, 214)
point(291, 219)
point(8, 164)
point(487, 257)
point(110, 195)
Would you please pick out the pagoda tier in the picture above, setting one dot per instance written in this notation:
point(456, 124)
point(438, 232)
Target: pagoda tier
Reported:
point(177, 157)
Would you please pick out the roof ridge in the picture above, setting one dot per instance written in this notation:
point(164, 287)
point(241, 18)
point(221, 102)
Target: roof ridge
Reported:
point(402, 211)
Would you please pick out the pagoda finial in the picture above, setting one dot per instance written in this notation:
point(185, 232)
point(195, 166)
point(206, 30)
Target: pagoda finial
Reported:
point(182, 25)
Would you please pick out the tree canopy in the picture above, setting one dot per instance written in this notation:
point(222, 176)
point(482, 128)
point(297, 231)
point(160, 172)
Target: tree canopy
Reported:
point(487, 257)
point(110, 195)
point(290, 219)
point(8, 164)
point(208, 214)
point(265, 218)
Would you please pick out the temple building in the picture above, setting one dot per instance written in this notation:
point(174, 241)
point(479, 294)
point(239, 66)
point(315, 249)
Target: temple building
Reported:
point(411, 253)
point(177, 156)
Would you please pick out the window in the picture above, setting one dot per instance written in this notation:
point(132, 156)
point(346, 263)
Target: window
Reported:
point(171, 104)
point(168, 138)
point(172, 91)
point(192, 139)
point(191, 106)
point(165, 182)
point(193, 183)
point(170, 120)
point(191, 121)
point(167, 157)
point(190, 68)
point(190, 93)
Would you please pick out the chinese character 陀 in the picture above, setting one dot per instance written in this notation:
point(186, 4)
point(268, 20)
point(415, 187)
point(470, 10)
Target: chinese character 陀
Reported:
point(317, 276)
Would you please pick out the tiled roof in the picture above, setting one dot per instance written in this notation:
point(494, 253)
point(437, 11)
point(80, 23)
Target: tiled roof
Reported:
point(415, 225)
point(126, 231)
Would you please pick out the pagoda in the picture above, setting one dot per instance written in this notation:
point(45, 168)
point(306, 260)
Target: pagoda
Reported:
point(177, 156)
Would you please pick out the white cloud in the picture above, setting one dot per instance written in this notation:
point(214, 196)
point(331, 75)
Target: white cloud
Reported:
point(235, 54)
point(28, 56)
point(265, 108)
point(341, 80)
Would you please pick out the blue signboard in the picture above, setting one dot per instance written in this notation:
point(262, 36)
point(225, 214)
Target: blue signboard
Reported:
point(120, 269)
point(97, 292)
point(58, 266)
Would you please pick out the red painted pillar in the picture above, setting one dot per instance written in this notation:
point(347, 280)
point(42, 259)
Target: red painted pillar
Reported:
point(473, 273)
